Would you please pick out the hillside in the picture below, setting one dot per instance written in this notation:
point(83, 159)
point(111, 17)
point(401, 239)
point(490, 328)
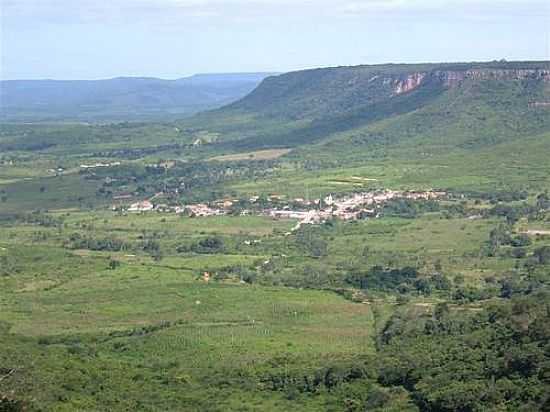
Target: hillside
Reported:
point(314, 105)
point(123, 98)
point(333, 91)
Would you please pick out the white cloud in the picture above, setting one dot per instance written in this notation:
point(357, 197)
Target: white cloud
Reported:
point(106, 11)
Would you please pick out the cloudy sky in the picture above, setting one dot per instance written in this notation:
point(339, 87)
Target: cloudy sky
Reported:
point(88, 39)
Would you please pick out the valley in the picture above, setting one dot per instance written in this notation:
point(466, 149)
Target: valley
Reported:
point(341, 239)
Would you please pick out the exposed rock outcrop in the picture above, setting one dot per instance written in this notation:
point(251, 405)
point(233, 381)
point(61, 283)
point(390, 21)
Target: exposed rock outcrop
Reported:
point(454, 78)
point(539, 104)
point(411, 82)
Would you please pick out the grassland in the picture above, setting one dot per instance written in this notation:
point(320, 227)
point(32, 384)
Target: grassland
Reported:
point(69, 308)
point(154, 330)
point(258, 155)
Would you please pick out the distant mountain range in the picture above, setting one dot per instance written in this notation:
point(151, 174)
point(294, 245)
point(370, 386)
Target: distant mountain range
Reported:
point(122, 98)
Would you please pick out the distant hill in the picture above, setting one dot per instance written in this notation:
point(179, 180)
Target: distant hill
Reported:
point(334, 91)
point(468, 104)
point(123, 98)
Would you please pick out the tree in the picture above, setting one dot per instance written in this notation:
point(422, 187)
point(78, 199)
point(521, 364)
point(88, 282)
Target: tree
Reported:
point(499, 236)
point(309, 240)
point(423, 286)
point(518, 253)
point(521, 240)
point(209, 245)
point(113, 264)
point(318, 248)
point(157, 255)
point(543, 255)
point(543, 201)
point(441, 311)
point(11, 405)
point(441, 282)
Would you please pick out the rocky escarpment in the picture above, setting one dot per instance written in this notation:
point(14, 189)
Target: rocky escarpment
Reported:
point(539, 104)
point(453, 78)
point(408, 84)
point(320, 94)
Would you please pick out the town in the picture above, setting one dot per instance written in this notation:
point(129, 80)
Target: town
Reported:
point(350, 207)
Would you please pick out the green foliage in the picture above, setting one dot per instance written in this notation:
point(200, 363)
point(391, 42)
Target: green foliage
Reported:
point(309, 240)
point(469, 362)
point(8, 404)
point(380, 278)
point(409, 208)
point(209, 245)
point(543, 255)
point(77, 241)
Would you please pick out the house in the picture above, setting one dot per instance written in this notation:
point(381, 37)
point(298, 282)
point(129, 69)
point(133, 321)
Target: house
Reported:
point(144, 206)
point(202, 210)
point(163, 208)
point(329, 201)
point(95, 165)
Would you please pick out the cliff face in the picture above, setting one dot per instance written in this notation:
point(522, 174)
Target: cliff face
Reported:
point(408, 84)
point(453, 78)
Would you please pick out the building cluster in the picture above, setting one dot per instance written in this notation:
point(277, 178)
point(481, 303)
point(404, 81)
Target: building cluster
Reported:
point(351, 207)
point(198, 210)
point(203, 210)
point(143, 206)
point(56, 170)
point(96, 165)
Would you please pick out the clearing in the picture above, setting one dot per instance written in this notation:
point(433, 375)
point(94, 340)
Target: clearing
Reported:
point(258, 155)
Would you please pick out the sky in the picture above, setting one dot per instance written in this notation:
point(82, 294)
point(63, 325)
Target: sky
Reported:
point(91, 39)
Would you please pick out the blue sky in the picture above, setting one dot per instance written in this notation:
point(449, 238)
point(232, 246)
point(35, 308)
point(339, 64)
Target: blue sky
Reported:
point(89, 39)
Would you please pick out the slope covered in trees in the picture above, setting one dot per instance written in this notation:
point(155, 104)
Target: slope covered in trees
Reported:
point(456, 104)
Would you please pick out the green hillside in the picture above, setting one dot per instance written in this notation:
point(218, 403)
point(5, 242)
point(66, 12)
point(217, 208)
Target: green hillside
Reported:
point(464, 100)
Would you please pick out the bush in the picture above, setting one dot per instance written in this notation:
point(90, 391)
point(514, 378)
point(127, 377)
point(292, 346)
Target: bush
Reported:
point(543, 255)
point(521, 241)
point(518, 253)
point(113, 264)
point(209, 245)
point(8, 404)
point(384, 279)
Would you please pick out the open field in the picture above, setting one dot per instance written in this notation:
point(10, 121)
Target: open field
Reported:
point(91, 330)
point(258, 155)
point(146, 320)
